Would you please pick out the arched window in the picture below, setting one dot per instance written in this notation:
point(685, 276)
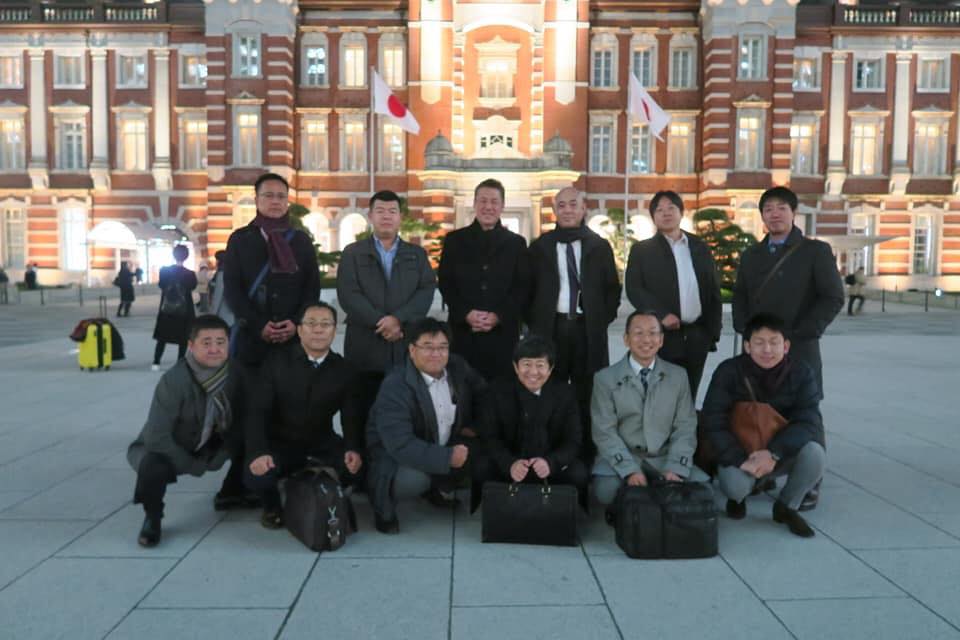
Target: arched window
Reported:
point(351, 225)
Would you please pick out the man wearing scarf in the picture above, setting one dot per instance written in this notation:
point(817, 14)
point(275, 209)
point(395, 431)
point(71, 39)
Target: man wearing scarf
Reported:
point(484, 278)
point(574, 297)
point(796, 450)
point(190, 428)
point(270, 276)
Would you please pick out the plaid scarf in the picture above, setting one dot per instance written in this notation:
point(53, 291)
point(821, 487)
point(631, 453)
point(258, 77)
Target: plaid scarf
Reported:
point(217, 415)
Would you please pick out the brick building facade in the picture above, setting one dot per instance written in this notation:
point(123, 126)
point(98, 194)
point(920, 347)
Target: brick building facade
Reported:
point(127, 124)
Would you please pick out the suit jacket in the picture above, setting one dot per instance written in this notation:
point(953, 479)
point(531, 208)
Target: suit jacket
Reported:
point(511, 431)
point(293, 403)
point(806, 292)
point(282, 296)
point(175, 422)
point(628, 427)
point(797, 399)
point(366, 296)
point(652, 284)
point(600, 291)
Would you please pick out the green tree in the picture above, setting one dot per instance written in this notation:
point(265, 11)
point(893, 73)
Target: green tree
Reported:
point(726, 240)
point(325, 259)
point(613, 231)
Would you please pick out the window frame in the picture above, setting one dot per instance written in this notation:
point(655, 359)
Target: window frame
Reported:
point(59, 82)
point(257, 153)
point(881, 74)
point(945, 74)
point(742, 153)
point(640, 133)
point(135, 82)
point(607, 162)
point(930, 257)
point(878, 121)
point(644, 47)
point(60, 120)
point(305, 75)
point(605, 42)
point(345, 119)
point(121, 142)
point(941, 139)
point(201, 58)
point(324, 155)
point(237, 62)
point(691, 75)
point(19, 164)
point(8, 223)
point(185, 118)
point(761, 72)
point(689, 151)
point(812, 121)
point(393, 41)
point(19, 66)
point(382, 125)
point(353, 41)
point(817, 74)
point(69, 261)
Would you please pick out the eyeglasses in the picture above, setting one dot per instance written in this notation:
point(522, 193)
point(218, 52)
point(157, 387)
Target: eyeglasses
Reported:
point(312, 324)
point(267, 195)
point(429, 348)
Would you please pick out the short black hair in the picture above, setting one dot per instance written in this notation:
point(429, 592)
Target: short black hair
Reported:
point(320, 304)
point(534, 346)
point(669, 195)
point(220, 256)
point(427, 327)
point(763, 321)
point(208, 321)
point(269, 176)
point(180, 252)
point(384, 196)
point(490, 183)
point(642, 312)
point(779, 193)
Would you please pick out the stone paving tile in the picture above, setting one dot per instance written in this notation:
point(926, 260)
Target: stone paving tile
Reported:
point(10, 498)
point(91, 597)
point(682, 599)
point(862, 619)
point(26, 544)
point(199, 624)
point(91, 495)
point(533, 623)
point(425, 532)
point(949, 522)
point(38, 472)
point(778, 564)
point(930, 575)
point(188, 517)
point(237, 565)
point(373, 598)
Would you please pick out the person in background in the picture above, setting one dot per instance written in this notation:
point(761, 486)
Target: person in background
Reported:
point(176, 306)
point(124, 281)
point(4, 281)
point(30, 277)
point(203, 288)
point(218, 301)
point(856, 281)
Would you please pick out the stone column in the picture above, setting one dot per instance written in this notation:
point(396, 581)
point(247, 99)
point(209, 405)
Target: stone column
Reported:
point(900, 167)
point(100, 163)
point(162, 169)
point(38, 121)
point(836, 171)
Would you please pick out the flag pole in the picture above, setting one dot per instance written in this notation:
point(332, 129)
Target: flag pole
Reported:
point(626, 190)
point(371, 133)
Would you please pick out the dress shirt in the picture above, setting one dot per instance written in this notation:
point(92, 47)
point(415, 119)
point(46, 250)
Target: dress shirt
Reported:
point(386, 257)
point(316, 361)
point(690, 308)
point(443, 406)
point(637, 367)
point(563, 297)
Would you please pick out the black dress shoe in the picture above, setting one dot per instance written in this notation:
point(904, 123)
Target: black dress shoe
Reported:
point(794, 521)
point(272, 519)
point(386, 526)
point(736, 510)
point(226, 500)
point(439, 499)
point(811, 499)
point(150, 531)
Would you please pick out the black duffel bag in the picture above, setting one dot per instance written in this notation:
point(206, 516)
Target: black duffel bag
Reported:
point(317, 511)
point(666, 519)
point(529, 513)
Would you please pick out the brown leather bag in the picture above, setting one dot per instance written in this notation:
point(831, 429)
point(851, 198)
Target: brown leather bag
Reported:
point(755, 423)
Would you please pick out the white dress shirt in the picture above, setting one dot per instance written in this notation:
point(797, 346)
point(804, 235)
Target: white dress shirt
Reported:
point(690, 308)
point(563, 298)
point(443, 406)
point(637, 367)
point(317, 361)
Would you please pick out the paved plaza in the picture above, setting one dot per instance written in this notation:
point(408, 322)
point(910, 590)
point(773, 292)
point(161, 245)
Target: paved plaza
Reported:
point(885, 562)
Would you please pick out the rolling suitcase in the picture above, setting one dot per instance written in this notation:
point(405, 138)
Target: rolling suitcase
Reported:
point(529, 514)
point(317, 512)
point(96, 348)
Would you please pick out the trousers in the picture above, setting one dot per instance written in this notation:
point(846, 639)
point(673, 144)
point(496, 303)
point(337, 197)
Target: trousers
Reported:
point(803, 472)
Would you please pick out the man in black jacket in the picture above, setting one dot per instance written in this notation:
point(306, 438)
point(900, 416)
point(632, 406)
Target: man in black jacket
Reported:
point(383, 284)
point(575, 296)
point(421, 429)
point(299, 390)
point(530, 425)
point(270, 276)
point(484, 278)
point(765, 373)
point(674, 275)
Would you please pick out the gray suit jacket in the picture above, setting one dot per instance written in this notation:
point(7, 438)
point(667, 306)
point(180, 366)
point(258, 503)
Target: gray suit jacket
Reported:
point(365, 294)
point(629, 428)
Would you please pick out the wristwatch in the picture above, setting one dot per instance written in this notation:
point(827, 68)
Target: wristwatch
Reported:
point(775, 457)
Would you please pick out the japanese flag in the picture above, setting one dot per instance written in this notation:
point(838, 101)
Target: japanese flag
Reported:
point(385, 103)
point(641, 106)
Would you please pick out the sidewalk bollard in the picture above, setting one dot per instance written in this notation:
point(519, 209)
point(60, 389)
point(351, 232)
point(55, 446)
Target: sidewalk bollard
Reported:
point(41, 297)
point(926, 301)
point(80, 294)
point(883, 300)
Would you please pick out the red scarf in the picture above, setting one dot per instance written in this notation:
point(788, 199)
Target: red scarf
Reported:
point(281, 255)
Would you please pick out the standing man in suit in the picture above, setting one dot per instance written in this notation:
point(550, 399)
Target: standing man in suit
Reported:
point(484, 278)
point(673, 274)
point(575, 294)
point(383, 284)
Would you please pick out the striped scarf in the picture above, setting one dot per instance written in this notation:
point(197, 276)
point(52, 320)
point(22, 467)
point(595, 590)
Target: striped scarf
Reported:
point(217, 415)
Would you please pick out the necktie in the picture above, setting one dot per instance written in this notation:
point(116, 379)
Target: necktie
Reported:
point(643, 378)
point(574, 281)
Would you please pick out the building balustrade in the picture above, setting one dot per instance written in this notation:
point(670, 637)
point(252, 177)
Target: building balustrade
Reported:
point(897, 16)
point(96, 12)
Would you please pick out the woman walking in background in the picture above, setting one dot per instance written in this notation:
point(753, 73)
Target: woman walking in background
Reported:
point(124, 280)
point(176, 306)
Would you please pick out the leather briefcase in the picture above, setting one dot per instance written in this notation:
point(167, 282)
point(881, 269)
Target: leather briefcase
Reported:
point(638, 523)
point(529, 514)
point(754, 423)
point(317, 512)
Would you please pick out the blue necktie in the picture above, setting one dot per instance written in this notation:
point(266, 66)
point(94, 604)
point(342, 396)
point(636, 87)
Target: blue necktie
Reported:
point(643, 378)
point(574, 281)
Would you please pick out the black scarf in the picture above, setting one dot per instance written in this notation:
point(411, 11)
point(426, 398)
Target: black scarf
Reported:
point(768, 381)
point(531, 441)
point(572, 234)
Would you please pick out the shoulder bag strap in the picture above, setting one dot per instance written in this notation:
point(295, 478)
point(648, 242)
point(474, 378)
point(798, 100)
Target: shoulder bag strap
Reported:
point(266, 268)
point(770, 274)
point(753, 396)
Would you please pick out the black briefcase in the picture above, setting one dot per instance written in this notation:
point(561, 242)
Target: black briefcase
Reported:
point(529, 514)
point(667, 520)
point(638, 522)
point(317, 511)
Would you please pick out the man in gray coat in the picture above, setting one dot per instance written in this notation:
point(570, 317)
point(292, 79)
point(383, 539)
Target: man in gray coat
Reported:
point(642, 414)
point(191, 425)
point(383, 284)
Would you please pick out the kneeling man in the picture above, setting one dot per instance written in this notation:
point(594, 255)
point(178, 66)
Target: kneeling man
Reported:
point(421, 429)
point(192, 424)
point(290, 425)
point(642, 413)
point(797, 450)
point(530, 425)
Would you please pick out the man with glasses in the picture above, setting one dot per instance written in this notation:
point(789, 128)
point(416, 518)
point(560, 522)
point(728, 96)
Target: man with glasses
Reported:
point(421, 434)
point(301, 388)
point(642, 414)
point(270, 276)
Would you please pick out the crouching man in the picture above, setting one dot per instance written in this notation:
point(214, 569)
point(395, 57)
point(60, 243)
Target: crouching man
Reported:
point(298, 391)
point(766, 373)
point(192, 426)
point(421, 430)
